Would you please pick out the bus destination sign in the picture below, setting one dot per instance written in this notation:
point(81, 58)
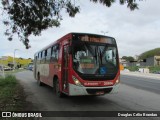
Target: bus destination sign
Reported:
point(87, 38)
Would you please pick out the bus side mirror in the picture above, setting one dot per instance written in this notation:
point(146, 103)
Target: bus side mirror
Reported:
point(70, 50)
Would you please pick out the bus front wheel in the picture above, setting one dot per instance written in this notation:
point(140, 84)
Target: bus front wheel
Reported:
point(57, 89)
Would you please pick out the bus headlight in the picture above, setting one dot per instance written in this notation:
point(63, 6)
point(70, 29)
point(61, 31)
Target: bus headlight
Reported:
point(76, 81)
point(117, 81)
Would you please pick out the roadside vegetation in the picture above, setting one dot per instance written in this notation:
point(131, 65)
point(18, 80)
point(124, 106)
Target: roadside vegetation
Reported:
point(150, 53)
point(133, 68)
point(12, 96)
point(152, 69)
point(14, 71)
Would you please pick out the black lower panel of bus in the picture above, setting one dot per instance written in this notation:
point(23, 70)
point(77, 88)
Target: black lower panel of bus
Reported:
point(98, 91)
point(98, 77)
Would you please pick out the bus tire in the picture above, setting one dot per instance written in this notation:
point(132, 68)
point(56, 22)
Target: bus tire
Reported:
point(38, 80)
point(57, 89)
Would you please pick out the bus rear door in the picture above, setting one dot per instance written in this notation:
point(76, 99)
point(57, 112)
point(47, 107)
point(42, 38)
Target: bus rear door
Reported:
point(65, 68)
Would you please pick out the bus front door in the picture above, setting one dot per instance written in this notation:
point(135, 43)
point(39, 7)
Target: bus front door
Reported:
point(65, 68)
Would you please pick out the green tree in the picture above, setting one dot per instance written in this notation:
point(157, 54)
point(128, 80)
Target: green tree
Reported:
point(128, 58)
point(149, 53)
point(28, 17)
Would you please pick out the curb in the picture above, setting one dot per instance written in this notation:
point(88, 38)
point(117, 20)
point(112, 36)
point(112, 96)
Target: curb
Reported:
point(145, 75)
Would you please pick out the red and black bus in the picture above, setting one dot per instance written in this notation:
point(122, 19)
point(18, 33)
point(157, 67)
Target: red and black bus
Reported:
point(79, 64)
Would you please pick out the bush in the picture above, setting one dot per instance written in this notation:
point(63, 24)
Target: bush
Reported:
point(133, 68)
point(8, 88)
point(9, 80)
point(154, 69)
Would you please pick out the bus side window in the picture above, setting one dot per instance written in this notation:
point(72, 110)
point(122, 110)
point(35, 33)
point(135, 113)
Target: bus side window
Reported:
point(48, 55)
point(43, 57)
point(40, 59)
point(54, 53)
point(37, 56)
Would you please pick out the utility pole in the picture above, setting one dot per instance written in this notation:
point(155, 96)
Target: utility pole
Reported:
point(14, 59)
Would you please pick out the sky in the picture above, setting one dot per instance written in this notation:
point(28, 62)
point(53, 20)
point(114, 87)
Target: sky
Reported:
point(135, 31)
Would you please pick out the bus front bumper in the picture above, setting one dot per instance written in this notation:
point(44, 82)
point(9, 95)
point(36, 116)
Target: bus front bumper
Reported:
point(75, 90)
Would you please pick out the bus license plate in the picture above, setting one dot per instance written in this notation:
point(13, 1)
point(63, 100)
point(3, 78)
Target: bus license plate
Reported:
point(100, 93)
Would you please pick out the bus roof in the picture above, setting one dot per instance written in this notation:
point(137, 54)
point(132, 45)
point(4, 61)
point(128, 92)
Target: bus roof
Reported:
point(69, 35)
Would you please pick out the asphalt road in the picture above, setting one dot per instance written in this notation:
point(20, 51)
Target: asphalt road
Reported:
point(129, 98)
point(148, 84)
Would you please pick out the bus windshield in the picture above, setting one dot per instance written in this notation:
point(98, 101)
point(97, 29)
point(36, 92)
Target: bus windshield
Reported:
point(95, 58)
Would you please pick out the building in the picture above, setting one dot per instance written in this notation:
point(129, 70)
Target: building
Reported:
point(151, 61)
point(19, 62)
point(123, 62)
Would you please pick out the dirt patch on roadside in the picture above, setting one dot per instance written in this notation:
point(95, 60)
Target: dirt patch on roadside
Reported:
point(17, 102)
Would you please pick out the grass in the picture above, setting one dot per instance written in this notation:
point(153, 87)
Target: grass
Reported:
point(14, 71)
point(154, 69)
point(13, 97)
point(11, 94)
point(134, 68)
point(6, 73)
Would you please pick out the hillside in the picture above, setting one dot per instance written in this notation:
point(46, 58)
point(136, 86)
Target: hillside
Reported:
point(150, 53)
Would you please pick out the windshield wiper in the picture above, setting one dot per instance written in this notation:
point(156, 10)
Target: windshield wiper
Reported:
point(89, 48)
point(103, 51)
point(96, 55)
point(100, 55)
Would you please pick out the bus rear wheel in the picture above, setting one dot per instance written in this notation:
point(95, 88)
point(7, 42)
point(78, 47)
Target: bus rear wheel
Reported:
point(39, 81)
point(57, 89)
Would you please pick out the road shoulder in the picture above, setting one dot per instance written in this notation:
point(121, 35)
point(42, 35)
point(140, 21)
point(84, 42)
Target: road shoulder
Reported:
point(144, 75)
